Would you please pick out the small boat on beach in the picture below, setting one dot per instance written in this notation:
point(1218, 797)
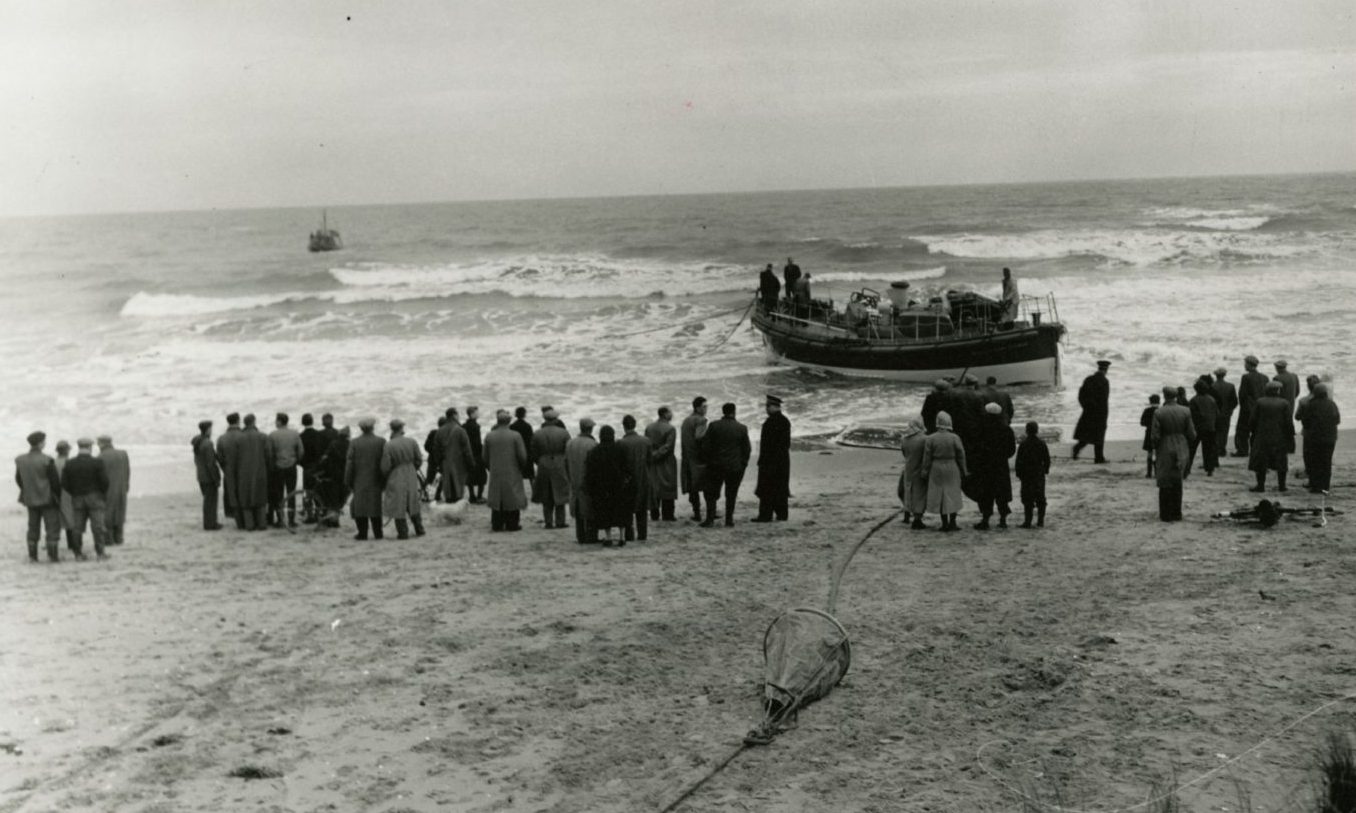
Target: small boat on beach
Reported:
point(904, 340)
point(326, 239)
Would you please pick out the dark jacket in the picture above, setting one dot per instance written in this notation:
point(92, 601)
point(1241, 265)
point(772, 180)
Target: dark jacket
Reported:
point(1033, 458)
point(476, 476)
point(611, 491)
point(205, 458)
point(1095, 398)
point(39, 483)
point(1273, 434)
point(524, 430)
point(1146, 420)
point(84, 474)
point(1251, 387)
point(1320, 419)
point(1204, 412)
point(1226, 394)
point(313, 446)
point(362, 475)
point(774, 458)
point(725, 447)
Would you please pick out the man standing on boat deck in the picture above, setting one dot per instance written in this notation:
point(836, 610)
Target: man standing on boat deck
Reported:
point(1095, 399)
point(1010, 297)
point(790, 273)
point(694, 427)
point(725, 452)
point(769, 289)
point(774, 464)
point(1250, 389)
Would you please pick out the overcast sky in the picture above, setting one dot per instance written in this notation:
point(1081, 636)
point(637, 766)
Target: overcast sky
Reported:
point(111, 106)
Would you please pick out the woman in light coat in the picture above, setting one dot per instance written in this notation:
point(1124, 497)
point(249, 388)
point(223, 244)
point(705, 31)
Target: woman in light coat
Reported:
point(913, 485)
point(944, 468)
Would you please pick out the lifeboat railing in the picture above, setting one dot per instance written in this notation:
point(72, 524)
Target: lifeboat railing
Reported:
point(970, 320)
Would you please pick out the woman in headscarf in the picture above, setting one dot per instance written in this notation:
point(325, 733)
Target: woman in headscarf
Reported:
point(610, 489)
point(913, 484)
point(944, 467)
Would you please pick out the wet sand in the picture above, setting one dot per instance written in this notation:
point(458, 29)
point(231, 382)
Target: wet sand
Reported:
point(471, 671)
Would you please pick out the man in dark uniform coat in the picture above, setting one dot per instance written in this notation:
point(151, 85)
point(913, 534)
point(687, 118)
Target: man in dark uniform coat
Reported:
point(939, 400)
point(1250, 389)
point(1095, 399)
point(637, 448)
point(433, 453)
point(993, 395)
point(769, 288)
point(1227, 397)
point(774, 464)
point(227, 458)
point(313, 445)
point(86, 480)
point(725, 450)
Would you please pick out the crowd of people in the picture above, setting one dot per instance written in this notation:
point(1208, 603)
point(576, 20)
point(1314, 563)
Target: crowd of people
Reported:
point(71, 494)
point(958, 446)
point(607, 482)
point(1177, 427)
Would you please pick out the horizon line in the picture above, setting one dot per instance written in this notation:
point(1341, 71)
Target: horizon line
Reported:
point(638, 195)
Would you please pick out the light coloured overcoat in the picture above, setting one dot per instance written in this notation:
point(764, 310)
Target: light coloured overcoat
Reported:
point(400, 462)
point(1172, 434)
point(663, 463)
point(576, 454)
point(552, 483)
point(944, 464)
point(506, 458)
point(913, 485)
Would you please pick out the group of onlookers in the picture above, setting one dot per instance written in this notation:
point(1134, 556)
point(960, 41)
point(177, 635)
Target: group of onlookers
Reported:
point(959, 445)
point(72, 493)
point(606, 482)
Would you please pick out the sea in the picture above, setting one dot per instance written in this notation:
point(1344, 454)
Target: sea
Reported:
point(140, 325)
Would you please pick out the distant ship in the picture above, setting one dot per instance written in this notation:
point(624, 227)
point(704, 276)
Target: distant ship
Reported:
point(326, 239)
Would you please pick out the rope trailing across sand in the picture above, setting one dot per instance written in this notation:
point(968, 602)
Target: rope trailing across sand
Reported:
point(979, 758)
point(815, 682)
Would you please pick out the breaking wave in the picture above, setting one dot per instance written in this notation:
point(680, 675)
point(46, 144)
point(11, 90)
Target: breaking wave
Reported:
point(1139, 247)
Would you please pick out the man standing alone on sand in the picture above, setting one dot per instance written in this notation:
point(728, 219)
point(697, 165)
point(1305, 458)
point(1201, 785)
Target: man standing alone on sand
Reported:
point(694, 427)
point(663, 465)
point(86, 481)
point(725, 452)
point(362, 475)
point(1227, 397)
point(1094, 397)
point(1250, 389)
point(40, 492)
point(286, 451)
point(774, 464)
point(119, 479)
point(209, 475)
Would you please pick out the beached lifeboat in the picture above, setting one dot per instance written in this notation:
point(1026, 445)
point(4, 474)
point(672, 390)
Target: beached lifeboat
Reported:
point(904, 340)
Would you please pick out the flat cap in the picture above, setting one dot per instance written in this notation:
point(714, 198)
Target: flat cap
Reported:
point(1250, 359)
point(85, 443)
point(1282, 363)
point(1221, 370)
point(367, 423)
point(34, 438)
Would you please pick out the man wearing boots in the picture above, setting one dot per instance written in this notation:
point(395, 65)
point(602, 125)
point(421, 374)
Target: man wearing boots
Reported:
point(1173, 434)
point(401, 496)
point(1273, 436)
point(989, 462)
point(725, 452)
point(774, 464)
point(40, 492)
point(694, 428)
point(209, 475)
point(1033, 464)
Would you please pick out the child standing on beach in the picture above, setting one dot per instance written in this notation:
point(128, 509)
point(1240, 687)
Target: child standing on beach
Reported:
point(1033, 463)
point(1146, 420)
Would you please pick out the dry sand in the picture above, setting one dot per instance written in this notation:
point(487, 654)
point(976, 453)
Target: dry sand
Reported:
point(471, 671)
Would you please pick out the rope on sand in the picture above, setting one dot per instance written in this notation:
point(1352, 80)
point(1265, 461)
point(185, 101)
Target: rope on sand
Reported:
point(979, 758)
point(833, 600)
